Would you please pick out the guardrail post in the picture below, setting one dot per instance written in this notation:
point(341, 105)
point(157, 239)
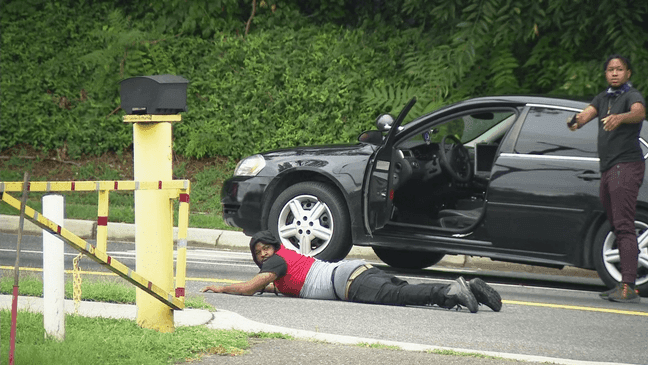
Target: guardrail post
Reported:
point(102, 220)
point(152, 155)
point(53, 270)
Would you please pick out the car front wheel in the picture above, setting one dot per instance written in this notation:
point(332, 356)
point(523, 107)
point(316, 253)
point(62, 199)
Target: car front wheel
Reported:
point(407, 259)
point(311, 218)
point(608, 261)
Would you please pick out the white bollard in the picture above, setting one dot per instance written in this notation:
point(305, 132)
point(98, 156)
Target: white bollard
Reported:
point(54, 270)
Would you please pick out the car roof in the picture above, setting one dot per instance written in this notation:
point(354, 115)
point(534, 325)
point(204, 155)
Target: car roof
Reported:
point(502, 101)
point(529, 99)
point(517, 100)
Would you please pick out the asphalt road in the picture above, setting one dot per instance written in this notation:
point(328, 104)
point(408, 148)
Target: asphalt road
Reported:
point(544, 314)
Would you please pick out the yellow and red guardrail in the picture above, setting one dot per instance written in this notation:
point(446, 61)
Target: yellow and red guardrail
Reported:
point(174, 299)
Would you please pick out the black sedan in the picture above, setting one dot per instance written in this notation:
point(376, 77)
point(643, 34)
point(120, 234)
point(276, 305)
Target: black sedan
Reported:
point(499, 177)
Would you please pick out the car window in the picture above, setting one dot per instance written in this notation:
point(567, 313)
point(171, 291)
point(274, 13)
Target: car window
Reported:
point(470, 127)
point(455, 127)
point(545, 132)
point(477, 125)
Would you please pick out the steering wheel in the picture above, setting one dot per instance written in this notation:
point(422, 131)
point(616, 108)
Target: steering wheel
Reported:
point(457, 160)
point(402, 170)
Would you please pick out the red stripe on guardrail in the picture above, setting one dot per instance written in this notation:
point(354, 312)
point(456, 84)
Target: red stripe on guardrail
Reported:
point(150, 284)
point(116, 185)
point(102, 221)
point(109, 260)
point(58, 229)
point(184, 198)
point(160, 184)
point(180, 292)
point(72, 186)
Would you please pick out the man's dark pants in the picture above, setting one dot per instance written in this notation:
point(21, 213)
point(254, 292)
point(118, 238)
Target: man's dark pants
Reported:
point(378, 287)
point(619, 190)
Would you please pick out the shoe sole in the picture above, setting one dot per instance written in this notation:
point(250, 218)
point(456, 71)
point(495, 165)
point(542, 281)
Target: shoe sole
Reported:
point(485, 294)
point(633, 300)
point(471, 302)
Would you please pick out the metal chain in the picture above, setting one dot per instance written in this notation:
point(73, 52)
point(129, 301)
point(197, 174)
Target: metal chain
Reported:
point(76, 272)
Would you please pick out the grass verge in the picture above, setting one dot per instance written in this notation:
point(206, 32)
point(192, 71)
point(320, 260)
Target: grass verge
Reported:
point(117, 341)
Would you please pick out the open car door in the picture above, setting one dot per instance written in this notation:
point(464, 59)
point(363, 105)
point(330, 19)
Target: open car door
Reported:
point(378, 189)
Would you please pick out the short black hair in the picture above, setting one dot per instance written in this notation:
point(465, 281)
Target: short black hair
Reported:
point(263, 237)
point(623, 59)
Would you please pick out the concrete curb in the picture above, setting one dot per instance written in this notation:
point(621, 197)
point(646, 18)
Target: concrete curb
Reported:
point(125, 232)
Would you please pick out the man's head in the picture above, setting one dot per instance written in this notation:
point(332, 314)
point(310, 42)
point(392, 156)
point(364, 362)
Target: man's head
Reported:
point(262, 246)
point(617, 70)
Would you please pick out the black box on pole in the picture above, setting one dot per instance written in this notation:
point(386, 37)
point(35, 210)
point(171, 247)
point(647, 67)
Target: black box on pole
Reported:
point(157, 94)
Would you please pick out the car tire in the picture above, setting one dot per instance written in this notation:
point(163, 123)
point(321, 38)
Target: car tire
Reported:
point(407, 259)
point(324, 224)
point(606, 255)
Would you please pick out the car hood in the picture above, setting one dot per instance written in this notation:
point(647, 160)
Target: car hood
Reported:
point(329, 157)
point(321, 150)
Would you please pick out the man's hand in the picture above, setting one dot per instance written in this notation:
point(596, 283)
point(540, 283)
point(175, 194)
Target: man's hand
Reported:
point(249, 287)
point(582, 118)
point(636, 114)
point(572, 122)
point(611, 122)
point(215, 289)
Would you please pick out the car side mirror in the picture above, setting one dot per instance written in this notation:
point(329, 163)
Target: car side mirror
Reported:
point(371, 137)
point(384, 122)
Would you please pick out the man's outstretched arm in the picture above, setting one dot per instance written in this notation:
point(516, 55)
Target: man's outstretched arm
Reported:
point(257, 283)
point(636, 114)
point(584, 117)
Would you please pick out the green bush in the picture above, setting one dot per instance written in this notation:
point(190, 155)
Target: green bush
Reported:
point(280, 87)
point(291, 72)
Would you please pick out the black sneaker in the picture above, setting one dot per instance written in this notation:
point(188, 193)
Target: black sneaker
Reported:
point(459, 294)
point(485, 294)
point(624, 293)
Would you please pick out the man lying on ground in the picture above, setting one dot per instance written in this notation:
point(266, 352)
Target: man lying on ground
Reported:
point(294, 274)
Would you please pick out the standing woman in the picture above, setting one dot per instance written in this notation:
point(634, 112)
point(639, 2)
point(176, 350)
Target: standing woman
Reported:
point(621, 110)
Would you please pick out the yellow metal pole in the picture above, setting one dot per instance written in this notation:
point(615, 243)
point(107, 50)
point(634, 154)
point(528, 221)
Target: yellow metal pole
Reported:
point(102, 221)
point(181, 260)
point(152, 154)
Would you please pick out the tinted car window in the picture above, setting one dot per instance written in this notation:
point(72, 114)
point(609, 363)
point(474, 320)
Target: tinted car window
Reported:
point(545, 132)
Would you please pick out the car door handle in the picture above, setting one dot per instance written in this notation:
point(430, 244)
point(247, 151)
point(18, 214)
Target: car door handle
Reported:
point(589, 175)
